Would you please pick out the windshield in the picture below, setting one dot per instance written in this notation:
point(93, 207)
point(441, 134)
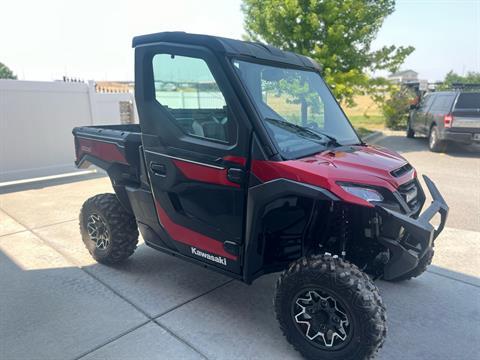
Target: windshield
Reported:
point(299, 111)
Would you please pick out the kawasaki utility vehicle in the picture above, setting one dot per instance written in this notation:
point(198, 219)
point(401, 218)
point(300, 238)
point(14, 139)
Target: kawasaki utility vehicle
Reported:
point(244, 163)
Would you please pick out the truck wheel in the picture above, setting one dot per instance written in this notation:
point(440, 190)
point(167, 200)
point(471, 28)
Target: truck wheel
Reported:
point(434, 142)
point(109, 232)
point(328, 309)
point(419, 270)
point(410, 132)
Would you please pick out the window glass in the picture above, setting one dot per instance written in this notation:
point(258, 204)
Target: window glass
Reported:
point(297, 108)
point(427, 101)
point(468, 101)
point(442, 104)
point(187, 89)
point(294, 101)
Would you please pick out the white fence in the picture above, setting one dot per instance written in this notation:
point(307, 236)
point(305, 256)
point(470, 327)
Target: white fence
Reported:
point(36, 121)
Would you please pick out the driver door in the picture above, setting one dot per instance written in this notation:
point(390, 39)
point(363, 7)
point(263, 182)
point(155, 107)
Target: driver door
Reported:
point(195, 138)
point(420, 119)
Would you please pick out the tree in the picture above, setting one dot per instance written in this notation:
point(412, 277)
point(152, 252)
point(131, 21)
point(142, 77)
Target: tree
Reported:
point(6, 73)
point(337, 34)
point(451, 78)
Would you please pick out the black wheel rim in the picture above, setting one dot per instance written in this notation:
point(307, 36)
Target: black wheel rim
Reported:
point(98, 231)
point(322, 319)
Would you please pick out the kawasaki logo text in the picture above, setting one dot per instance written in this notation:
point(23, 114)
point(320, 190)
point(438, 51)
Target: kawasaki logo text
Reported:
point(218, 259)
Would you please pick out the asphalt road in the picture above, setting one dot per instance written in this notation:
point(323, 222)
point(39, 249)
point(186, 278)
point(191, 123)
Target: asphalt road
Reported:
point(456, 173)
point(57, 303)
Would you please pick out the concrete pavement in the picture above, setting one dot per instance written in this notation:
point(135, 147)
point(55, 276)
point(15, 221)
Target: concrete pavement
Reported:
point(57, 303)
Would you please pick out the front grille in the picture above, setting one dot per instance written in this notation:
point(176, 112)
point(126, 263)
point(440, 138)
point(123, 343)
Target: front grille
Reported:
point(401, 170)
point(410, 193)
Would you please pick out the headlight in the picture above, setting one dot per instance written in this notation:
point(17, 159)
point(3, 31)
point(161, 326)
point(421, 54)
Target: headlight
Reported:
point(363, 193)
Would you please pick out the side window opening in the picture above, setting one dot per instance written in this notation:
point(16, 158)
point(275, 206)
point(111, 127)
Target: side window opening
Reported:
point(186, 88)
point(427, 101)
point(442, 104)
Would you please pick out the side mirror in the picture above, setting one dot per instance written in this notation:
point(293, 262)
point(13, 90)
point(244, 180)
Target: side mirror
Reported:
point(413, 106)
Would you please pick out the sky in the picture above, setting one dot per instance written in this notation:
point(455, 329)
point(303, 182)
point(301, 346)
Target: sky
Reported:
point(91, 39)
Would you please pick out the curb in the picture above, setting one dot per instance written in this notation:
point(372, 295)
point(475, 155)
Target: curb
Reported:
point(40, 182)
point(373, 136)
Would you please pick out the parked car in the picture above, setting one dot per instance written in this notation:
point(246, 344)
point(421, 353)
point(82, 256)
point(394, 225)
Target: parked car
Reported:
point(447, 116)
point(236, 170)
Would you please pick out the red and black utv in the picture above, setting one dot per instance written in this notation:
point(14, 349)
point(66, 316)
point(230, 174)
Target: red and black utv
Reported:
point(244, 163)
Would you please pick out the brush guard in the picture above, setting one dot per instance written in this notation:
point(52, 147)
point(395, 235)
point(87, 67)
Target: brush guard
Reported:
point(404, 257)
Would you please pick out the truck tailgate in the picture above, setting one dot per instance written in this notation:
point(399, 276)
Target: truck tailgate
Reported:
point(466, 119)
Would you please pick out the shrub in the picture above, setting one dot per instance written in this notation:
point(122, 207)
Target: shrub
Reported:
point(396, 107)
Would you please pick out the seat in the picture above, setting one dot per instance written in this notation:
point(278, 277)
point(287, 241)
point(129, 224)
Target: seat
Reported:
point(211, 129)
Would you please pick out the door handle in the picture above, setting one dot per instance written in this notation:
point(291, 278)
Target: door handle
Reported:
point(235, 175)
point(158, 169)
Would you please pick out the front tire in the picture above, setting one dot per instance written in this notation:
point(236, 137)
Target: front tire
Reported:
point(420, 269)
point(410, 132)
point(328, 309)
point(108, 231)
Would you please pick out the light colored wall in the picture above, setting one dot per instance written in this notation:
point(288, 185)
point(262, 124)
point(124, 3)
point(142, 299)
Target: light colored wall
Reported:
point(36, 121)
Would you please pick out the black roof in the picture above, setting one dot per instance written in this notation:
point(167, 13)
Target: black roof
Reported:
point(229, 47)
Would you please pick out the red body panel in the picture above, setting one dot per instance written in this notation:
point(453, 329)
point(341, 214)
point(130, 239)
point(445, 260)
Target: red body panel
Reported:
point(236, 159)
point(190, 237)
point(204, 173)
point(103, 150)
point(366, 165)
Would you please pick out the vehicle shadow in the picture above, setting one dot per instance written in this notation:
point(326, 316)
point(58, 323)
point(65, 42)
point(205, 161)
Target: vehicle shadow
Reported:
point(416, 317)
point(400, 143)
point(226, 318)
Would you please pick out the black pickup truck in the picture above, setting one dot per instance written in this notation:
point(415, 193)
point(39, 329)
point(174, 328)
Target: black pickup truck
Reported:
point(236, 170)
point(447, 116)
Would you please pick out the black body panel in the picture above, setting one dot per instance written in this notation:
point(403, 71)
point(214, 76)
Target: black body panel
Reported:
point(228, 47)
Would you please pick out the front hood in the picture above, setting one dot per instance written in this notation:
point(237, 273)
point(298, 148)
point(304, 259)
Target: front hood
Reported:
point(367, 164)
point(373, 160)
point(363, 165)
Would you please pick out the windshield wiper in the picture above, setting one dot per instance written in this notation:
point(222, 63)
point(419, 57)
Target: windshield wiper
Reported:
point(299, 129)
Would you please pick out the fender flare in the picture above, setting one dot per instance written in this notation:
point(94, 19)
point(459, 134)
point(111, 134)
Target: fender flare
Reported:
point(258, 198)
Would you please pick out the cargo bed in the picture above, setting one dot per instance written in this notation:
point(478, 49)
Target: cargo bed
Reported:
point(114, 148)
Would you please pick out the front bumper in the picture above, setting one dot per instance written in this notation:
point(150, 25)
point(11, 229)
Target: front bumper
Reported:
point(418, 235)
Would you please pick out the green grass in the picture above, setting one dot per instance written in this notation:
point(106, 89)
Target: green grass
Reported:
point(363, 132)
point(367, 125)
point(372, 122)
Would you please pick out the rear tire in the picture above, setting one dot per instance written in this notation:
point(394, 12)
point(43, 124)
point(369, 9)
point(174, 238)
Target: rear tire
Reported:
point(328, 309)
point(434, 142)
point(108, 231)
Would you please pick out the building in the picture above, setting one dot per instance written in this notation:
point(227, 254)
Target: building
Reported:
point(404, 76)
